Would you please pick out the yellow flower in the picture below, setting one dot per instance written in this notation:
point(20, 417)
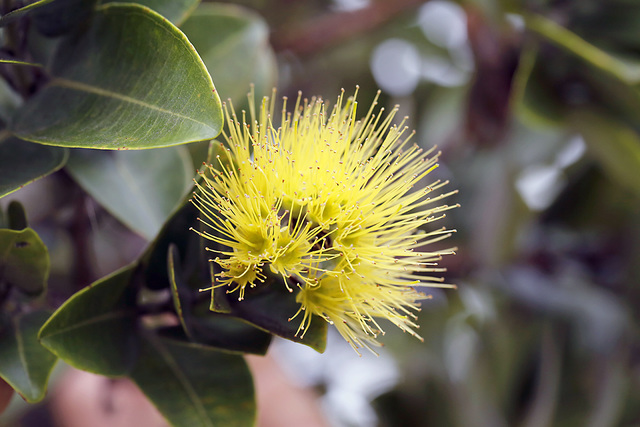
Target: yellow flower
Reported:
point(328, 203)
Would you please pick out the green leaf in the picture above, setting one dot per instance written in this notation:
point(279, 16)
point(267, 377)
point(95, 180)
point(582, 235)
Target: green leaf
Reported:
point(174, 272)
point(62, 16)
point(270, 306)
point(10, 101)
point(41, 48)
point(24, 363)
point(175, 11)
point(132, 80)
point(20, 12)
point(23, 162)
point(194, 386)
point(175, 231)
point(17, 216)
point(234, 44)
point(229, 333)
point(219, 302)
point(203, 151)
point(614, 144)
point(24, 260)
point(95, 329)
point(140, 188)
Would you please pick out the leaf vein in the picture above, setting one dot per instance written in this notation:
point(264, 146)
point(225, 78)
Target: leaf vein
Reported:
point(184, 381)
point(83, 87)
point(106, 316)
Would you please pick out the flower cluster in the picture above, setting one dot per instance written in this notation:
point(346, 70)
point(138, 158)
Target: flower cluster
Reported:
point(327, 202)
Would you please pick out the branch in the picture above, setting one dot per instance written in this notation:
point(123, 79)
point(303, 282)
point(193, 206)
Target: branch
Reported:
point(319, 33)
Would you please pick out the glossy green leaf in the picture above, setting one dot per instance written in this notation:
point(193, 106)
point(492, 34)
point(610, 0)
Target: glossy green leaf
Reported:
point(175, 11)
point(234, 44)
point(95, 330)
point(140, 188)
point(131, 80)
point(222, 332)
point(16, 215)
point(195, 386)
point(20, 12)
point(24, 363)
point(24, 260)
point(61, 16)
point(175, 231)
point(270, 307)
point(23, 162)
point(615, 144)
point(229, 333)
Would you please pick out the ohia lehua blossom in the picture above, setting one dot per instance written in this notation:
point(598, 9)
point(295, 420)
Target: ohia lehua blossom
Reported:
point(333, 205)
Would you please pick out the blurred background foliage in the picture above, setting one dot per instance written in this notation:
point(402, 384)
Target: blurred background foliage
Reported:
point(535, 105)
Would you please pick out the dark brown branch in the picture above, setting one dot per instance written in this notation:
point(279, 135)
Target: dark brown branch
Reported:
point(334, 28)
